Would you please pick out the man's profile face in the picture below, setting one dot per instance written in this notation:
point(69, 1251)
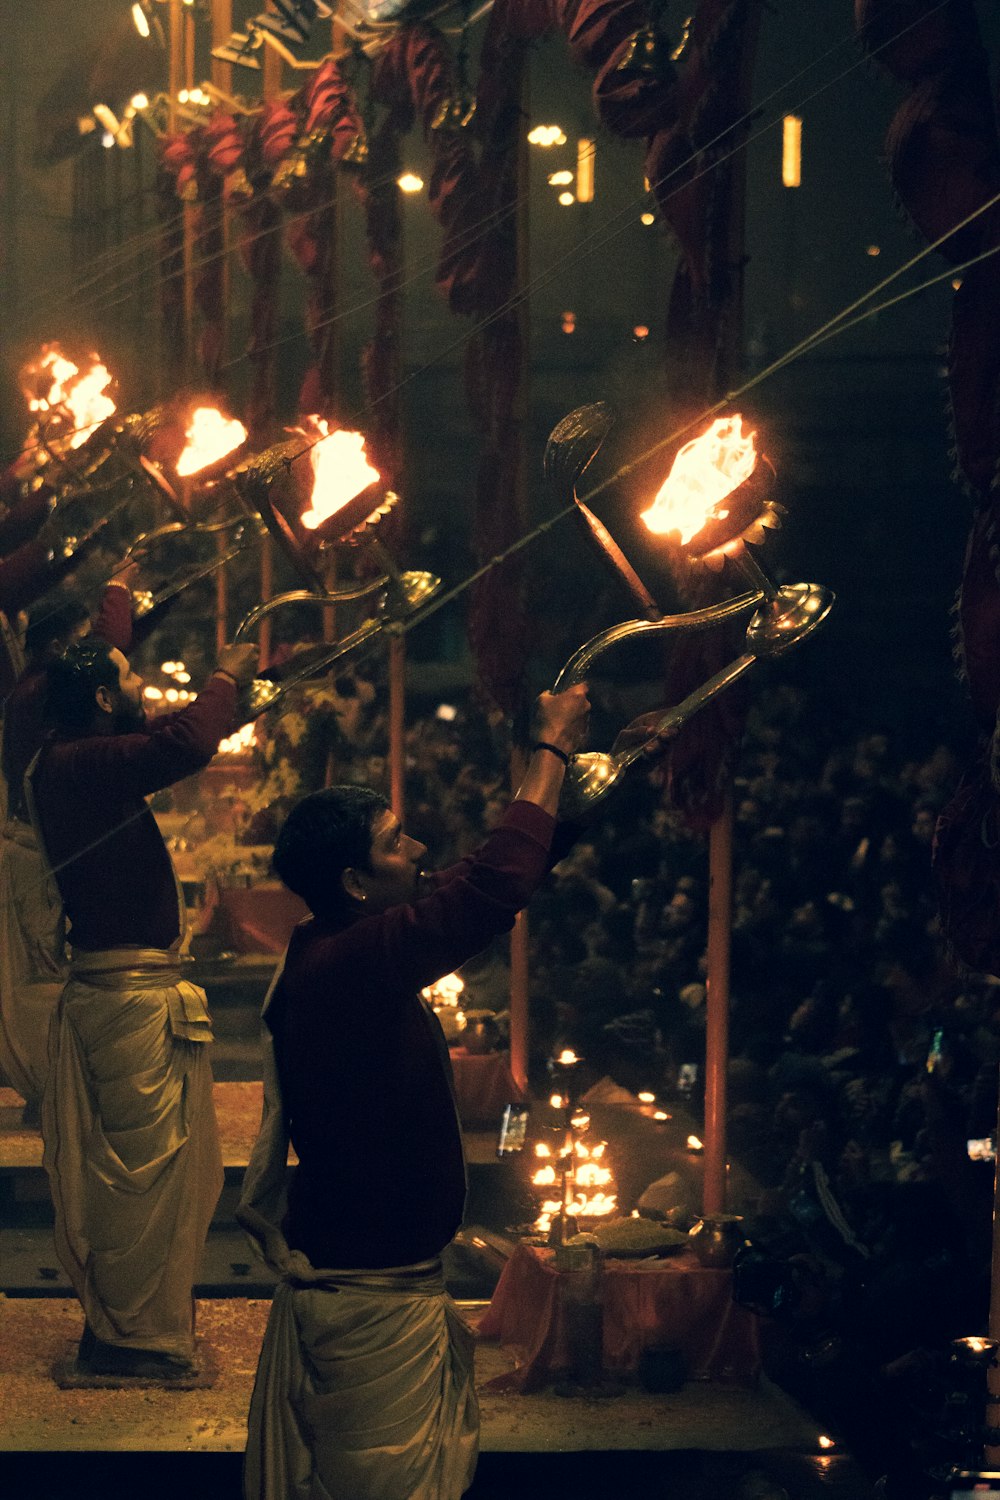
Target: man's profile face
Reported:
point(394, 866)
point(128, 711)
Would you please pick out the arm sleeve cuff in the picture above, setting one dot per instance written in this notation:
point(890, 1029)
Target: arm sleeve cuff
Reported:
point(530, 819)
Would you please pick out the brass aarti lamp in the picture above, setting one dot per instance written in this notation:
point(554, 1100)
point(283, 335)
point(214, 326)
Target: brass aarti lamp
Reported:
point(716, 504)
point(185, 447)
point(313, 498)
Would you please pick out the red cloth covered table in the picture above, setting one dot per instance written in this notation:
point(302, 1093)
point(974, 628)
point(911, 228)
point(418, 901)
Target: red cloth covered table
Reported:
point(257, 918)
point(483, 1085)
point(673, 1302)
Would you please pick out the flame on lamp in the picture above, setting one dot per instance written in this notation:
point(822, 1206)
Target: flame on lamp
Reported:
point(444, 991)
point(704, 472)
point(590, 1192)
point(209, 437)
point(80, 395)
point(340, 471)
point(235, 744)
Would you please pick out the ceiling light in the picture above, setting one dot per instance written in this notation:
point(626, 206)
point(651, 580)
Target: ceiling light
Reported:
point(546, 136)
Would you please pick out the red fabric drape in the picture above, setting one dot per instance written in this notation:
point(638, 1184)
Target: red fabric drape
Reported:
point(273, 135)
point(944, 156)
point(329, 124)
point(697, 185)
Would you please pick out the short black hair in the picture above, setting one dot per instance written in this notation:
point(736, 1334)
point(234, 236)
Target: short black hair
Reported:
point(73, 680)
point(325, 834)
point(51, 618)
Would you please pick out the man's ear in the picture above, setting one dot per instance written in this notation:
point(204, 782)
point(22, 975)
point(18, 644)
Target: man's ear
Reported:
point(351, 882)
point(105, 699)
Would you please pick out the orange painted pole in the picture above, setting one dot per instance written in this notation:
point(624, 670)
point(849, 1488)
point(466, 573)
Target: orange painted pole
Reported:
point(991, 1455)
point(520, 969)
point(222, 77)
point(520, 1019)
point(222, 25)
point(720, 923)
point(271, 87)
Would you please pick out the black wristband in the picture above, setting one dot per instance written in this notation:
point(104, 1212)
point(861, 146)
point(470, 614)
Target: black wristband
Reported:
point(544, 745)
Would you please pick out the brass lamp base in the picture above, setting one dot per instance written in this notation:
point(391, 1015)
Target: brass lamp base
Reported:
point(793, 613)
point(401, 596)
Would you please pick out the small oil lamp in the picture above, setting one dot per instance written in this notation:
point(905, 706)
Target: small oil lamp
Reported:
point(444, 999)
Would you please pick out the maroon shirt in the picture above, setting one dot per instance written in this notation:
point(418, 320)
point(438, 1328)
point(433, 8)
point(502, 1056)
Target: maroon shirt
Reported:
point(110, 862)
point(363, 1064)
point(24, 711)
point(25, 575)
point(21, 521)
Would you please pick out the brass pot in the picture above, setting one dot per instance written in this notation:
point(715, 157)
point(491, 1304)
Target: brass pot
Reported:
point(481, 1032)
point(715, 1239)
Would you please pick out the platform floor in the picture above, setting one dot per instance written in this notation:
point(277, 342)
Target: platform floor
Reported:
point(37, 1415)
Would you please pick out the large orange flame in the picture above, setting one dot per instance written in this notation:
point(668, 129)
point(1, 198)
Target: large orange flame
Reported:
point(704, 472)
point(209, 436)
point(78, 397)
point(340, 471)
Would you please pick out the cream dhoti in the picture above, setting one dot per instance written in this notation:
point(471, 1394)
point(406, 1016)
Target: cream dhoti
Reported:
point(131, 1144)
point(365, 1388)
point(32, 957)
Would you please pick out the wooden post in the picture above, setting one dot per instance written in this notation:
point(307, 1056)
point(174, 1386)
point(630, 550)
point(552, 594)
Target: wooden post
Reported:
point(222, 25)
point(728, 363)
point(175, 61)
point(720, 913)
point(271, 86)
point(186, 41)
point(520, 1019)
point(222, 77)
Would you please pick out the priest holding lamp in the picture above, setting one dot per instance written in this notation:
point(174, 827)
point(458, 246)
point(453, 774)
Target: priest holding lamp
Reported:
point(364, 1386)
point(131, 1144)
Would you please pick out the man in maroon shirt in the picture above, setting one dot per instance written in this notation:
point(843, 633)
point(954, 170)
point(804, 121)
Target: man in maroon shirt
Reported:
point(365, 1382)
point(32, 941)
point(131, 1145)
